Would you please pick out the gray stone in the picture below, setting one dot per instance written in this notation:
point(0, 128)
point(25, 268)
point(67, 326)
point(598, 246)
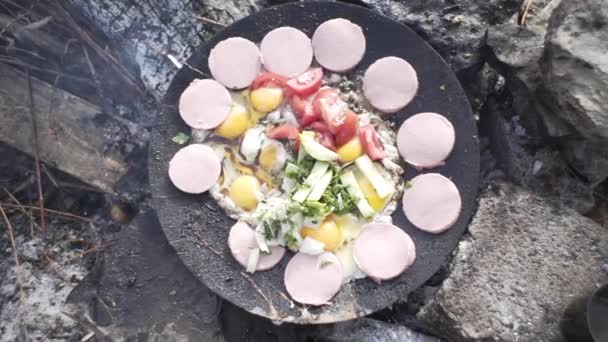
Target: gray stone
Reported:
point(575, 65)
point(371, 330)
point(575, 78)
point(559, 82)
point(455, 29)
point(540, 169)
point(526, 259)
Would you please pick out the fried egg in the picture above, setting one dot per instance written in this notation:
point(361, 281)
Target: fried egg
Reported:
point(272, 156)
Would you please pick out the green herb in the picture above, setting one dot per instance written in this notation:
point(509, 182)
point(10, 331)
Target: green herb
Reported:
point(271, 229)
point(337, 196)
point(301, 169)
point(291, 241)
point(408, 184)
point(315, 209)
point(181, 138)
point(324, 263)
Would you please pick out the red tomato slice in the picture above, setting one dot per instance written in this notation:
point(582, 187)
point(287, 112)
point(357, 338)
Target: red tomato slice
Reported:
point(348, 129)
point(268, 79)
point(306, 84)
point(284, 131)
point(332, 109)
point(320, 126)
point(303, 110)
point(325, 139)
point(371, 144)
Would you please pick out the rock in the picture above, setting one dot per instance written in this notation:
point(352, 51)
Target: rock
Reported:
point(530, 164)
point(575, 76)
point(525, 261)
point(575, 67)
point(455, 29)
point(371, 330)
point(559, 82)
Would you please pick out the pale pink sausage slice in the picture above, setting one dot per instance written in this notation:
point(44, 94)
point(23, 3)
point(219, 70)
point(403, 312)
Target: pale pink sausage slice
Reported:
point(286, 51)
point(425, 140)
point(338, 44)
point(195, 168)
point(389, 84)
point(205, 104)
point(383, 251)
point(235, 62)
point(241, 240)
point(313, 279)
point(432, 203)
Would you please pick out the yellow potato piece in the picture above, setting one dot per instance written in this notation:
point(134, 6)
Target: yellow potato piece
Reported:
point(266, 100)
point(328, 233)
point(351, 150)
point(245, 192)
point(370, 194)
point(235, 124)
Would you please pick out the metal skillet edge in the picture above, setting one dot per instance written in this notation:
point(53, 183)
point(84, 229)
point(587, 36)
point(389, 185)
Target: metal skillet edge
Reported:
point(190, 222)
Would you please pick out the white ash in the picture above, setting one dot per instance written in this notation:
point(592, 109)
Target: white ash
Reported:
point(45, 288)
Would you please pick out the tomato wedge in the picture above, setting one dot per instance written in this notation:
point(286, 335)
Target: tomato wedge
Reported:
point(320, 126)
point(348, 129)
point(268, 79)
point(325, 139)
point(306, 84)
point(331, 108)
point(284, 131)
point(371, 144)
point(303, 110)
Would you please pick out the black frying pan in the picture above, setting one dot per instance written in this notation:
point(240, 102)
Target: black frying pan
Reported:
point(197, 227)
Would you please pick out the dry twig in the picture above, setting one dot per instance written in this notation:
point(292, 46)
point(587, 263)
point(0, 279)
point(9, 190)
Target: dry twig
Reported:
point(209, 21)
point(94, 249)
point(36, 151)
point(57, 212)
point(524, 16)
point(16, 256)
point(25, 212)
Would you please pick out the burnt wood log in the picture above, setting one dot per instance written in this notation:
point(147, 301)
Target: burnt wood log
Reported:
point(68, 137)
point(149, 31)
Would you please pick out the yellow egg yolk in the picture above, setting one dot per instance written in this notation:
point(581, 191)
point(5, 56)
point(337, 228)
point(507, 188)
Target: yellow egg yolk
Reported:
point(268, 157)
point(328, 233)
point(266, 100)
point(235, 124)
point(351, 150)
point(245, 192)
point(370, 193)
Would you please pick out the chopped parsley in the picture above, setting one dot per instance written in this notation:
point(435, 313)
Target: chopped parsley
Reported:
point(271, 229)
point(291, 241)
point(181, 138)
point(407, 184)
point(324, 263)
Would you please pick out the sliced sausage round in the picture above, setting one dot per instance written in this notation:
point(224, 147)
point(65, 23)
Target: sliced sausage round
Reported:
point(313, 279)
point(425, 140)
point(241, 240)
point(195, 168)
point(389, 84)
point(235, 62)
point(432, 203)
point(205, 104)
point(286, 51)
point(338, 44)
point(383, 251)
